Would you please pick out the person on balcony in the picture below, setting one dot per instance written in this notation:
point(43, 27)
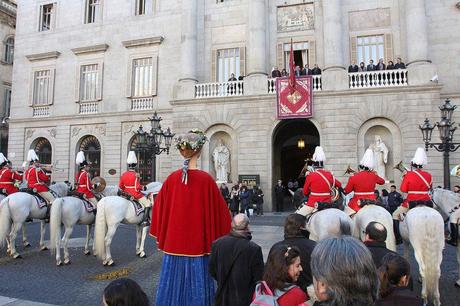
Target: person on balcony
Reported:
point(316, 70)
point(276, 73)
point(362, 67)
point(307, 70)
point(297, 71)
point(371, 66)
point(390, 65)
point(284, 72)
point(231, 89)
point(381, 65)
point(353, 68)
point(400, 64)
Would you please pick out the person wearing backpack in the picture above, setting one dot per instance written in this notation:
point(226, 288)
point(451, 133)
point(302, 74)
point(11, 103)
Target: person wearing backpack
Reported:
point(278, 282)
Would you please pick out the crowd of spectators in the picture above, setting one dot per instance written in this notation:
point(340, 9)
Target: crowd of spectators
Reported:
point(243, 199)
point(299, 71)
point(380, 66)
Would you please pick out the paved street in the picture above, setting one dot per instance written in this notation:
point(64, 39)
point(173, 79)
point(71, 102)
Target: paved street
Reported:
point(36, 278)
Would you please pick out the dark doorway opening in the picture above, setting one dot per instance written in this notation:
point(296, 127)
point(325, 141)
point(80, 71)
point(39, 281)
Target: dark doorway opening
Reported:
point(289, 158)
point(298, 58)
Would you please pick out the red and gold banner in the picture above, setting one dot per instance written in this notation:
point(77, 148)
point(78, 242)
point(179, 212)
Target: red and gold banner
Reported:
point(294, 98)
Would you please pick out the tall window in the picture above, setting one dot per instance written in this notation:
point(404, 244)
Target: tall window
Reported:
point(143, 7)
point(46, 17)
point(228, 62)
point(42, 91)
point(92, 11)
point(9, 50)
point(7, 102)
point(89, 82)
point(44, 151)
point(142, 77)
point(92, 149)
point(370, 47)
point(144, 162)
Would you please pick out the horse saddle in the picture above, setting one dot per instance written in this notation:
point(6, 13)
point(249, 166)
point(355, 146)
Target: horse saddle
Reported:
point(138, 208)
point(87, 204)
point(413, 204)
point(41, 202)
point(364, 202)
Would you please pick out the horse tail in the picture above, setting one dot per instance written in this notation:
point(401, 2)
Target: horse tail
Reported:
point(345, 227)
point(100, 230)
point(55, 224)
point(5, 220)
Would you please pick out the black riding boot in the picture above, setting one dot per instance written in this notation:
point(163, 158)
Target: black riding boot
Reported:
point(146, 221)
point(453, 234)
point(47, 215)
point(397, 233)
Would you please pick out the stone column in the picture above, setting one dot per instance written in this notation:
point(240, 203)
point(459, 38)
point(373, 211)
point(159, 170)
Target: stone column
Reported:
point(420, 68)
point(256, 72)
point(334, 76)
point(185, 88)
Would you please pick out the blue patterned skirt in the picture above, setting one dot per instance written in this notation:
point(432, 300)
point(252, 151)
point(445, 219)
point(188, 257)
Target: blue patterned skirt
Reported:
point(185, 281)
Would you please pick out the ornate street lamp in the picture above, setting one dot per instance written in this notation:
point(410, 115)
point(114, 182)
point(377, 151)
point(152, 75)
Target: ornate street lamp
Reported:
point(150, 142)
point(446, 130)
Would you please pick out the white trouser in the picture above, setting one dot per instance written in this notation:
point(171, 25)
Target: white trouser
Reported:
point(305, 210)
point(48, 196)
point(144, 202)
point(349, 211)
point(400, 210)
point(92, 201)
point(455, 217)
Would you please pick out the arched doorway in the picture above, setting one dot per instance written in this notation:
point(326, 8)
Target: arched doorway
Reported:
point(92, 149)
point(44, 151)
point(144, 161)
point(289, 156)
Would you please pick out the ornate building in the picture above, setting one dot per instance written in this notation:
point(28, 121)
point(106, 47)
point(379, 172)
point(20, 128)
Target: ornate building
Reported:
point(89, 72)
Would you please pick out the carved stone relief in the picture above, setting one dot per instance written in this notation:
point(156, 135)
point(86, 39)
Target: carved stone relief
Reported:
point(296, 17)
point(90, 129)
point(369, 19)
point(29, 133)
point(52, 132)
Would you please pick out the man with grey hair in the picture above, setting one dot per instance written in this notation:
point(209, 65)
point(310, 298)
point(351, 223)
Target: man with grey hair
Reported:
point(344, 273)
point(237, 264)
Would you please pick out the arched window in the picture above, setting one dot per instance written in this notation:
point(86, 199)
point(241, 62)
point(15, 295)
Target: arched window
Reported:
point(44, 151)
point(144, 162)
point(92, 149)
point(9, 50)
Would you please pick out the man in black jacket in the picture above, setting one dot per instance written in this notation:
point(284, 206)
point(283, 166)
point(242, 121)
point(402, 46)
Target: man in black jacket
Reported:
point(394, 199)
point(295, 235)
point(236, 263)
point(376, 234)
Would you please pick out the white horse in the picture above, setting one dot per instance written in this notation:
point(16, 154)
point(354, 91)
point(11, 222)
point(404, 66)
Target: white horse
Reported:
point(374, 213)
point(15, 209)
point(68, 211)
point(328, 223)
point(423, 228)
point(449, 203)
point(113, 210)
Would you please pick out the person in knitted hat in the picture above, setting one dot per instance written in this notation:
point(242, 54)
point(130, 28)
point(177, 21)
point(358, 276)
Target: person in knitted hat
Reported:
point(188, 215)
point(417, 183)
point(83, 179)
point(8, 177)
point(362, 183)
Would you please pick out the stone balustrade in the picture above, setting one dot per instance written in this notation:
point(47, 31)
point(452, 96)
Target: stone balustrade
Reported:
point(140, 104)
point(41, 111)
point(88, 107)
point(379, 78)
point(216, 90)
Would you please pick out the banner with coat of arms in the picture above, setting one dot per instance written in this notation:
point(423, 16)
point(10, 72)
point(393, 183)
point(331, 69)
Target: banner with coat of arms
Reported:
point(297, 103)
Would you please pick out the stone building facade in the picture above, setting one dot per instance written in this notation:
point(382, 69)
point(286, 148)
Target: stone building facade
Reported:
point(87, 73)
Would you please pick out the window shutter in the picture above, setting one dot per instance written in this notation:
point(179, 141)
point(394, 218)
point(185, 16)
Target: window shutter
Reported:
point(311, 54)
point(354, 50)
point(242, 61)
point(280, 56)
point(155, 75)
point(40, 18)
point(51, 86)
point(31, 89)
point(214, 65)
point(100, 82)
point(388, 47)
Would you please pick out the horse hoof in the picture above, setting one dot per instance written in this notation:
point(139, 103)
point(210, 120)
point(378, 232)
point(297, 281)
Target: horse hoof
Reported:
point(67, 261)
point(142, 255)
point(58, 263)
point(110, 263)
point(43, 248)
point(138, 252)
point(17, 256)
point(104, 263)
point(457, 284)
point(27, 244)
point(87, 253)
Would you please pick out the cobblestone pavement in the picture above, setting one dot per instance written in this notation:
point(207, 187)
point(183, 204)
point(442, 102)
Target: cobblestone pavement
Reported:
point(36, 277)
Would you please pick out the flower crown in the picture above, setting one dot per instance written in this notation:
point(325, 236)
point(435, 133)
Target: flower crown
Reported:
point(193, 140)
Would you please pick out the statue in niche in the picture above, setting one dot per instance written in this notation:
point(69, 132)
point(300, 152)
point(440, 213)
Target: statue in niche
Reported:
point(380, 156)
point(221, 158)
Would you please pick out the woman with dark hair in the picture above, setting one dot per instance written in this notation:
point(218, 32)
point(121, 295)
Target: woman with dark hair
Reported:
point(281, 273)
point(234, 200)
point(394, 275)
point(124, 292)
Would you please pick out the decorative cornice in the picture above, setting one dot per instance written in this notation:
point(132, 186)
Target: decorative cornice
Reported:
point(143, 42)
point(43, 56)
point(90, 49)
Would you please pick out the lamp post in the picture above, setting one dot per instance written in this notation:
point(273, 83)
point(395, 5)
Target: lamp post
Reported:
point(446, 134)
point(151, 142)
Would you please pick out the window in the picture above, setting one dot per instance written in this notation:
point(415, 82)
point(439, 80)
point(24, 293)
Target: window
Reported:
point(143, 7)
point(300, 54)
point(144, 162)
point(44, 151)
point(370, 47)
point(142, 77)
point(92, 11)
point(46, 17)
point(228, 62)
point(43, 88)
point(92, 149)
point(7, 102)
point(89, 83)
point(9, 50)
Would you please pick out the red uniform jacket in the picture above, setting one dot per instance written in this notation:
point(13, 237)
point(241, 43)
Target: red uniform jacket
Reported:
point(317, 189)
point(37, 179)
point(415, 186)
point(130, 183)
point(363, 184)
point(7, 180)
point(84, 184)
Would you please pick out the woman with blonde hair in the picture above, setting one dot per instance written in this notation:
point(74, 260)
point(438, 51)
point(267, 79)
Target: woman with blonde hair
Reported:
point(189, 213)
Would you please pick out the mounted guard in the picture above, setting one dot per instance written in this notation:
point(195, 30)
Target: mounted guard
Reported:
point(8, 177)
point(362, 183)
point(319, 184)
point(83, 179)
point(130, 183)
point(417, 183)
point(37, 179)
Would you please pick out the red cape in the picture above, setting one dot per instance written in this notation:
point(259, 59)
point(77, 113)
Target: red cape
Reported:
point(186, 219)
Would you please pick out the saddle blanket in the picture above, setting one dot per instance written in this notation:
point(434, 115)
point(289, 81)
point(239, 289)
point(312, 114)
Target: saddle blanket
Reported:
point(89, 207)
point(40, 201)
point(138, 208)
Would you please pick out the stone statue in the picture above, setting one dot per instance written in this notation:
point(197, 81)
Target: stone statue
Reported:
point(221, 158)
point(380, 156)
